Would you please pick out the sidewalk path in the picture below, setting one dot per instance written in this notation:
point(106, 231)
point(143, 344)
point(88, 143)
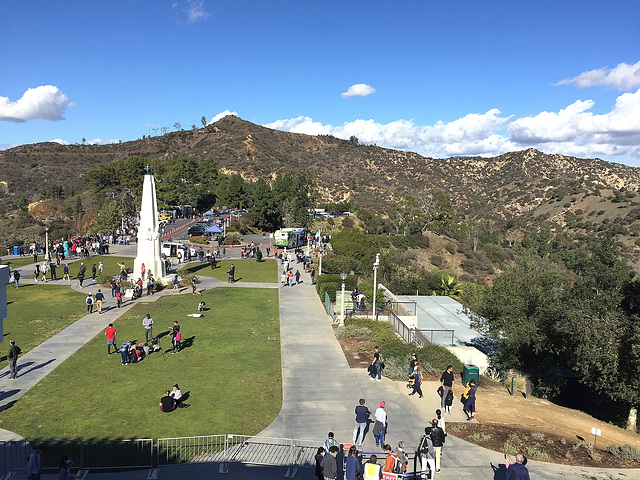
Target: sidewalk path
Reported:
point(320, 392)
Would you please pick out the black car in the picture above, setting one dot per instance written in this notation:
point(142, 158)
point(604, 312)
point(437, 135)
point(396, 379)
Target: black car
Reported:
point(196, 230)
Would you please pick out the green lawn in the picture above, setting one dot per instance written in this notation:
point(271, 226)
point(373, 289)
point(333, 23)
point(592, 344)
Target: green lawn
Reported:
point(110, 263)
point(21, 261)
point(230, 369)
point(246, 270)
point(37, 312)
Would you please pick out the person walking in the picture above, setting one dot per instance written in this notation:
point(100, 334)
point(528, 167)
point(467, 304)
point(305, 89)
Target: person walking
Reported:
point(193, 285)
point(175, 285)
point(377, 367)
point(362, 415)
point(99, 300)
point(81, 271)
point(147, 323)
point(65, 272)
point(89, 302)
point(16, 277)
point(447, 383)
point(441, 424)
point(94, 270)
point(110, 332)
point(437, 437)
point(417, 380)
point(52, 269)
point(380, 425)
point(313, 276)
point(427, 454)
point(517, 471)
point(118, 298)
point(470, 405)
point(297, 277)
point(12, 356)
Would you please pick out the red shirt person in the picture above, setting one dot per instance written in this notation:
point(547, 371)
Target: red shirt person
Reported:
point(110, 332)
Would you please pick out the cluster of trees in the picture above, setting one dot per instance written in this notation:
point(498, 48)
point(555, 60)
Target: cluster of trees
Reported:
point(117, 188)
point(582, 316)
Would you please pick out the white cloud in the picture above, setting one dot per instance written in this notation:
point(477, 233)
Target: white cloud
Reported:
point(191, 10)
point(358, 90)
point(45, 103)
point(474, 134)
point(573, 130)
point(624, 77)
point(221, 115)
point(300, 125)
point(577, 131)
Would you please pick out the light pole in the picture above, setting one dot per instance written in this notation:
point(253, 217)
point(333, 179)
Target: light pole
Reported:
point(343, 276)
point(46, 243)
point(376, 264)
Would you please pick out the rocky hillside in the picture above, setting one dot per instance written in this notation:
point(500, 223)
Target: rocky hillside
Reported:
point(519, 189)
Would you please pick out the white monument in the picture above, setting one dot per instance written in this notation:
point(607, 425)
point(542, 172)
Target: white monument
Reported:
point(148, 253)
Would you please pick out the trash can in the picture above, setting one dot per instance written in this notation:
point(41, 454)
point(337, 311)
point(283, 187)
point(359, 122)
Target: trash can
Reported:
point(470, 371)
point(16, 250)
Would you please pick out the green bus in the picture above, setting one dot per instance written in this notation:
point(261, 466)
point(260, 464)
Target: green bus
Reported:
point(290, 237)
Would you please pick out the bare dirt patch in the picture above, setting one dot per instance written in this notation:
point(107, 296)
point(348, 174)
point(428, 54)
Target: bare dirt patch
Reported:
point(537, 445)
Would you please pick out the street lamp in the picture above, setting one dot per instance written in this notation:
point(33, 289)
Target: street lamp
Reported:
point(376, 264)
point(46, 242)
point(343, 276)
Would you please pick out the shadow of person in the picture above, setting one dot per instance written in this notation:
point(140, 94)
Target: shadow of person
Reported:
point(187, 342)
point(499, 471)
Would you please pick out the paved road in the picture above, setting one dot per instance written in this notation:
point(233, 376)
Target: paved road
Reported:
point(320, 392)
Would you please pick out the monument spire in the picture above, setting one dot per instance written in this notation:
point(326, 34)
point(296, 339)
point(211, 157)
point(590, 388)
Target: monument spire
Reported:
point(148, 247)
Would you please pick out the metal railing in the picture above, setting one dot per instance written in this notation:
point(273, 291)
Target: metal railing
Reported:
point(94, 454)
point(208, 448)
point(441, 336)
point(420, 337)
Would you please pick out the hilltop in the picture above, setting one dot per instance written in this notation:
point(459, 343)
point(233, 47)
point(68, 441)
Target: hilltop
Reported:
point(515, 191)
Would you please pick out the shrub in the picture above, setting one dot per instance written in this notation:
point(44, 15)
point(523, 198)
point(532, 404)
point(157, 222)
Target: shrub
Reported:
point(422, 241)
point(231, 240)
point(625, 452)
point(436, 260)
point(395, 370)
point(353, 332)
point(334, 264)
point(450, 248)
point(404, 242)
point(347, 222)
point(199, 240)
point(349, 284)
point(330, 288)
point(433, 358)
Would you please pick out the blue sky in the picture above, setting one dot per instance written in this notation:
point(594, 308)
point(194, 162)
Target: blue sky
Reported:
point(441, 78)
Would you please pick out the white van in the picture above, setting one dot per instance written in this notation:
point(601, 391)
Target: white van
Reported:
point(171, 249)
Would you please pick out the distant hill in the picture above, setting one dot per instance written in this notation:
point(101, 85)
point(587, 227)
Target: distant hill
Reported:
point(519, 189)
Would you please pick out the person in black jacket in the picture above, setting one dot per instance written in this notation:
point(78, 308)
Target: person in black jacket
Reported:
point(437, 437)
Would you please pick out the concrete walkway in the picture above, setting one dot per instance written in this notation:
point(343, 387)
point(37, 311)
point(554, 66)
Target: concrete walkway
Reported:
point(320, 393)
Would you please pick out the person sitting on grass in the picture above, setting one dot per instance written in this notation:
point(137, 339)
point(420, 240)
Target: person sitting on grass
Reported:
point(202, 306)
point(176, 393)
point(167, 403)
